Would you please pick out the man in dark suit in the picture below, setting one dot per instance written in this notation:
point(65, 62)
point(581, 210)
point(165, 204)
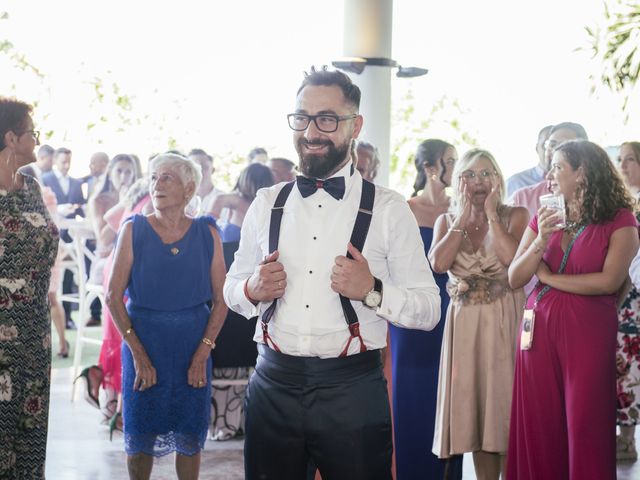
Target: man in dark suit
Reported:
point(70, 198)
point(67, 189)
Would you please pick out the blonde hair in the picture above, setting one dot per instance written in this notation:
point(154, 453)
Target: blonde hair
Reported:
point(463, 164)
point(187, 169)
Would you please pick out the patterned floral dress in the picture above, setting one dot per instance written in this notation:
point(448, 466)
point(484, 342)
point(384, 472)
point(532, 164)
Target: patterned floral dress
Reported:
point(28, 247)
point(628, 360)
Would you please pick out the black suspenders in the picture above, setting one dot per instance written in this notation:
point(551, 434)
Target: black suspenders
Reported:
point(274, 237)
point(358, 237)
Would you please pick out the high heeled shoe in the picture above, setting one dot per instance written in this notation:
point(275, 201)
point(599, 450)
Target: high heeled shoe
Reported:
point(115, 424)
point(88, 393)
point(64, 353)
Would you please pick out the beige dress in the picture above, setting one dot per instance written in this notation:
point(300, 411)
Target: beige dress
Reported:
point(478, 353)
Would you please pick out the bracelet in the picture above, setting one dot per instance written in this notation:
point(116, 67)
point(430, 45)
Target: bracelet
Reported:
point(459, 230)
point(492, 220)
point(246, 293)
point(127, 332)
point(208, 342)
point(536, 247)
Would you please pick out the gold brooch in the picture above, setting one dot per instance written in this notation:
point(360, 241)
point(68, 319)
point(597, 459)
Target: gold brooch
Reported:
point(175, 250)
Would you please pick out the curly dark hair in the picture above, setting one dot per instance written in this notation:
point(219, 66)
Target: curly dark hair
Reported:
point(603, 193)
point(13, 116)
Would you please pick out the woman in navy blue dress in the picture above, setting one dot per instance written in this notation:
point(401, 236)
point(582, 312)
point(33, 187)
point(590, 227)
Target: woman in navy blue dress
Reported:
point(416, 354)
point(235, 204)
point(171, 266)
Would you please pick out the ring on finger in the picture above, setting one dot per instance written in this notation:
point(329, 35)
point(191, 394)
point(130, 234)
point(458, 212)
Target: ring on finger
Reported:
point(280, 284)
point(200, 383)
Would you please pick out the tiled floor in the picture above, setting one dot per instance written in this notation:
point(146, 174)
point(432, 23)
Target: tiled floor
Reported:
point(79, 447)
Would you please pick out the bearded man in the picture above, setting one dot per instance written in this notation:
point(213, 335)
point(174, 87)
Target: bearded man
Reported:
point(340, 258)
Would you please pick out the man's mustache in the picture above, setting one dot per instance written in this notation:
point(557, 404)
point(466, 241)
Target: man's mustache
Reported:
point(304, 141)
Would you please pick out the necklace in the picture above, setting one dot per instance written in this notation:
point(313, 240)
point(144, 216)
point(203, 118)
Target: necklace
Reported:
point(477, 227)
point(572, 227)
point(175, 250)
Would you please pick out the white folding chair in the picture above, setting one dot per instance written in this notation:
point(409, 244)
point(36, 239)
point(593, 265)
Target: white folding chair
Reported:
point(80, 232)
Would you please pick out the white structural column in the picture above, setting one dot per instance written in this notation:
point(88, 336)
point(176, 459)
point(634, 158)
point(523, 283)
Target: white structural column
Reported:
point(368, 26)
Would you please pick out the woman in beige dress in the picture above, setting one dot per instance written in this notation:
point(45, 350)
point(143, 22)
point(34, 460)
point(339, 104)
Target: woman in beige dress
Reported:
point(475, 245)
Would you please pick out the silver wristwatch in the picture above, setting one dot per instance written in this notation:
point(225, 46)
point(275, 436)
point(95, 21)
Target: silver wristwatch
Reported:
point(373, 299)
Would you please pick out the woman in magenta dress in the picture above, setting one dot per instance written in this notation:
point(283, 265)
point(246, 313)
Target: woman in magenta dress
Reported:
point(563, 413)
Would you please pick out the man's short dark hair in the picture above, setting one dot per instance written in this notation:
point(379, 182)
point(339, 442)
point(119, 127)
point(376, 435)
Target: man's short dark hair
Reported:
point(576, 128)
point(328, 78)
point(285, 161)
point(45, 150)
point(62, 151)
point(545, 132)
point(199, 151)
point(257, 151)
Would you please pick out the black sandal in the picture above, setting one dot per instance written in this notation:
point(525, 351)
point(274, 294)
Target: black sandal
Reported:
point(65, 353)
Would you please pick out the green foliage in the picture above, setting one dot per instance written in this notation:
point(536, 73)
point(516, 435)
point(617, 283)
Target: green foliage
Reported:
point(228, 167)
point(411, 125)
point(615, 47)
point(17, 58)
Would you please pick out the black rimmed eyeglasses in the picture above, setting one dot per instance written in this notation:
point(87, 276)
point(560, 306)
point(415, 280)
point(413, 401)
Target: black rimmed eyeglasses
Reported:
point(34, 133)
point(326, 123)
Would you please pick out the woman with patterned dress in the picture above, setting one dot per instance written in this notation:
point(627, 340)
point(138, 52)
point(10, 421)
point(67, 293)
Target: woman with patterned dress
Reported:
point(476, 246)
point(564, 392)
point(628, 348)
point(415, 355)
point(28, 247)
point(171, 266)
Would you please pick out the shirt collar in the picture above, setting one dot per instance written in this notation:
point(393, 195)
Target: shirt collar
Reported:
point(58, 174)
point(349, 173)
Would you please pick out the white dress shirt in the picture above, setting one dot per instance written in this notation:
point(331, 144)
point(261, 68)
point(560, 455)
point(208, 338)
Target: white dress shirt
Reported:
point(309, 320)
point(525, 178)
point(62, 180)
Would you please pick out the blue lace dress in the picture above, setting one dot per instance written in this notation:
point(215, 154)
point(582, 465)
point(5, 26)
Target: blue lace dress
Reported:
point(168, 291)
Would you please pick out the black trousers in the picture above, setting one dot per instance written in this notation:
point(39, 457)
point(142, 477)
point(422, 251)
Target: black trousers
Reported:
point(334, 412)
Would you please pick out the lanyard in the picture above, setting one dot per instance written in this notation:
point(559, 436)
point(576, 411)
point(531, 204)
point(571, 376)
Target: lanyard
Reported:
point(563, 264)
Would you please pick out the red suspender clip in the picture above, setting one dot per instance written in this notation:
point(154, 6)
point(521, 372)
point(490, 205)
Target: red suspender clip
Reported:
point(354, 330)
point(266, 338)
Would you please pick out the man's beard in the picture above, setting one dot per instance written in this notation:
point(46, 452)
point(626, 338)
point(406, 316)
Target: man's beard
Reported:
point(321, 165)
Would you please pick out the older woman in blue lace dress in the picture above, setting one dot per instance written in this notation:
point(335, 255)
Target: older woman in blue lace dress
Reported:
point(172, 267)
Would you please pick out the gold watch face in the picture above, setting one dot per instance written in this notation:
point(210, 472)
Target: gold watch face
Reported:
point(373, 299)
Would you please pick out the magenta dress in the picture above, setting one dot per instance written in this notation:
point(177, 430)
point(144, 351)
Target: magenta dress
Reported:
point(563, 416)
point(110, 359)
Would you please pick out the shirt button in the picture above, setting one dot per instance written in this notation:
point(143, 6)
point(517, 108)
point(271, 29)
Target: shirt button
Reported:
point(307, 306)
point(310, 271)
point(319, 206)
point(315, 238)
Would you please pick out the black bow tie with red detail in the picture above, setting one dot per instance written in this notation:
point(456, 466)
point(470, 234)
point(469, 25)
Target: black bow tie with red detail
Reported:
point(333, 186)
